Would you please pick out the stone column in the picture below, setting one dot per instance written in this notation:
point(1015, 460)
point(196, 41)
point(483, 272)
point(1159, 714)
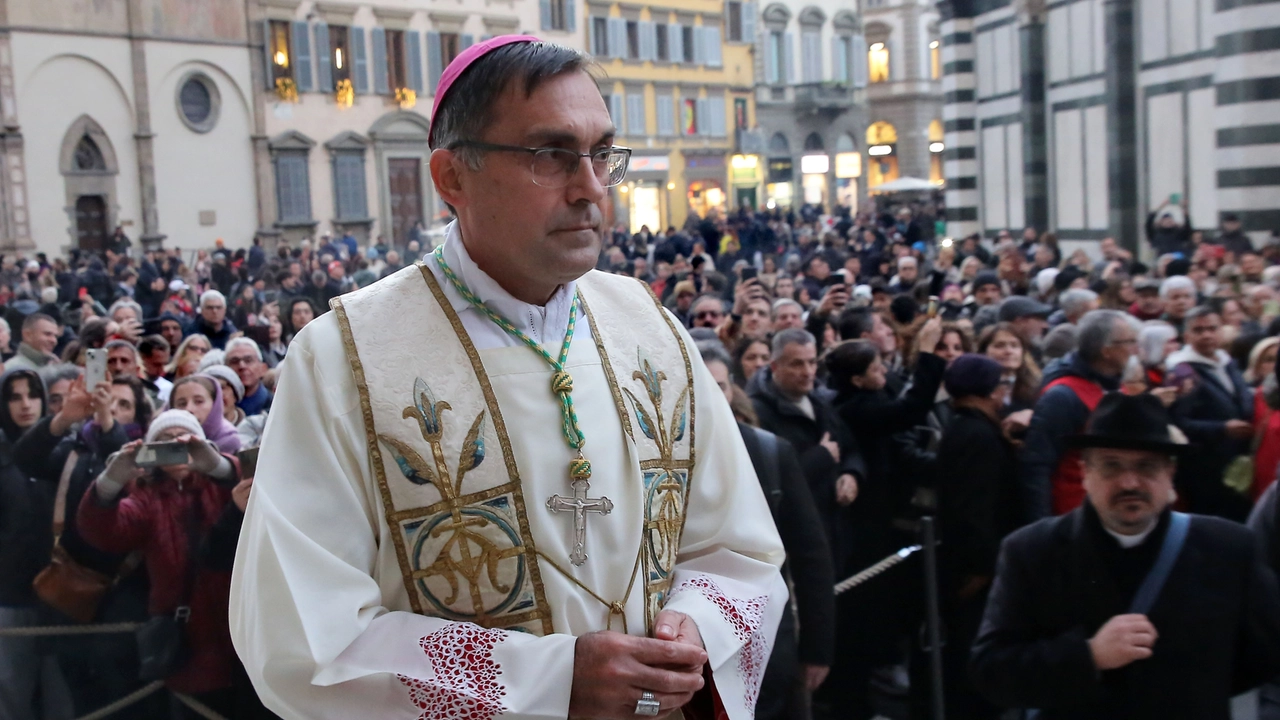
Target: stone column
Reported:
point(15, 225)
point(1035, 149)
point(1122, 123)
point(959, 118)
point(142, 135)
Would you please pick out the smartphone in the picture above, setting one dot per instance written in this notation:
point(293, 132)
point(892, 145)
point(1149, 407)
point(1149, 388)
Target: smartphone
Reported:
point(748, 273)
point(834, 278)
point(95, 368)
point(260, 334)
point(248, 462)
point(161, 454)
point(933, 307)
point(270, 296)
point(1175, 198)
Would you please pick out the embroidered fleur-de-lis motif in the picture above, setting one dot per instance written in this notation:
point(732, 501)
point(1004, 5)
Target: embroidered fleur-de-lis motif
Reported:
point(429, 412)
point(653, 424)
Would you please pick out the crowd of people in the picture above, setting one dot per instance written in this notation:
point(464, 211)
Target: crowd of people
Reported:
point(904, 375)
point(880, 373)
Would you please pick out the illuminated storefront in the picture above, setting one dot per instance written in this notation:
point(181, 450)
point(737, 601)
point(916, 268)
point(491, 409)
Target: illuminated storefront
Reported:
point(705, 175)
point(779, 190)
point(848, 170)
point(882, 154)
point(744, 176)
point(813, 178)
point(639, 200)
point(936, 147)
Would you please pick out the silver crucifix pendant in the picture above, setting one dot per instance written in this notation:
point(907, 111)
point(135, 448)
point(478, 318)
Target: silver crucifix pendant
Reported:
point(580, 504)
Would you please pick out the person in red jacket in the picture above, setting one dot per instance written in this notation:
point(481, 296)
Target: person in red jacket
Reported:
point(163, 508)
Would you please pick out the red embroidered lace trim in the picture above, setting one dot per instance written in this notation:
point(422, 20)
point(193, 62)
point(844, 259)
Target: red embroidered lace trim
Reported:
point(465, 686)
point(745, 617)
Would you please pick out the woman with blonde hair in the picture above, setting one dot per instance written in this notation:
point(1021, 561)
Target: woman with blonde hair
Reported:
point(186, 361)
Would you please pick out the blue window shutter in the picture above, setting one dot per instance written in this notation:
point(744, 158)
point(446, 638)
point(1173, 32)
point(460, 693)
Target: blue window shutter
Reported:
point(615, 112)
point(618, 37)
point(635, 115)
point(748, 22)
point(413, 43)
point(789, 55)
point(380, 84)
point(642, 31)
point(324, 72)
point(302, 56)
point(465, 41)
point(293, 190)
point(269, 71)
point(712, 43)
point(570, 16)
point(675, 42)
point(544, 13)
point(591, 36)
point(348, 179)
point(715, 112)
point(859, 49)
point(699, 46)
point(837, 55)
point(360, 61)
point(666, 115)
point(434, 67)
point(701, 118)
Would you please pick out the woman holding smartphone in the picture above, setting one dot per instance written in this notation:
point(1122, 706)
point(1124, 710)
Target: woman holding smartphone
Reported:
point(166, 517)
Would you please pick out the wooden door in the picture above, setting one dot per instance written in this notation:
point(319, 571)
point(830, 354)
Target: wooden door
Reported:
point(91, 223)
point(405, 181)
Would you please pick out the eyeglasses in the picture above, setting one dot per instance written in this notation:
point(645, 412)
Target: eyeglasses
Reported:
point(555, 167)
point(709, 313)
point(1145, 469)
point(235, 362)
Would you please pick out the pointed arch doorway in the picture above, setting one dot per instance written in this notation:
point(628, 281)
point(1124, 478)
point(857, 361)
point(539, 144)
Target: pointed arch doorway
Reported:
point(89, 170)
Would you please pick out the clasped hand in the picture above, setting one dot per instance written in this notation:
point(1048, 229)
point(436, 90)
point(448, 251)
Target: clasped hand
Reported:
point(611, 670)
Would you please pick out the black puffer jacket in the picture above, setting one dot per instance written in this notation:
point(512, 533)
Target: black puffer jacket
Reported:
point(42, 456)
point(26, 507)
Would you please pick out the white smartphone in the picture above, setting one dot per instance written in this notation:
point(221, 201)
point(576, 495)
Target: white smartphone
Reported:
point(95, 368)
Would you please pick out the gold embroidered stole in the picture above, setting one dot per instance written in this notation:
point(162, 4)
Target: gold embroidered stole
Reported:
point(439, 449)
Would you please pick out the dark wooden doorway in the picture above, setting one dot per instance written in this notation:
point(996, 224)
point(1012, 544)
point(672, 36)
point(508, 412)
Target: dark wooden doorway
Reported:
point(405, 181)
point(91, 223)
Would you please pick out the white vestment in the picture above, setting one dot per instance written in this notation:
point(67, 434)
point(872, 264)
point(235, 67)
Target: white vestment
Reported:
point(419, 573)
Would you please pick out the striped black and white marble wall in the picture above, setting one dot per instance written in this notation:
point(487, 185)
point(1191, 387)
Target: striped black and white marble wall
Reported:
point(959, 120)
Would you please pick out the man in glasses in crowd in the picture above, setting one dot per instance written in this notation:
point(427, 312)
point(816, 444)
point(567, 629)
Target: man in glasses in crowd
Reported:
point(503, 483)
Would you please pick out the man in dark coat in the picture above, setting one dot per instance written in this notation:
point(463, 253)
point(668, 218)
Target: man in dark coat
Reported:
point(977, 508)
point(1215, 409)
point(1050, 475)
point(800, 660)
point(788, 406)
point(1122, 608)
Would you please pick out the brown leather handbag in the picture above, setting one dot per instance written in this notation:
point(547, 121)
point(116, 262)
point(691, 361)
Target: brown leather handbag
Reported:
point(66, 585)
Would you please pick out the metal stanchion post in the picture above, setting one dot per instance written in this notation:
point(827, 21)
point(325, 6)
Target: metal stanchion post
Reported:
point(933, 620)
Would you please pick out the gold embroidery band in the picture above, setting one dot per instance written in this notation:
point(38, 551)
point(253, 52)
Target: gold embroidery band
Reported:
point(375, 453)
point(543, 611)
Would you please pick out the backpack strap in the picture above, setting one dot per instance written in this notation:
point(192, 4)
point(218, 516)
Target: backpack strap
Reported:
point(60, 504)
point(1174, 538)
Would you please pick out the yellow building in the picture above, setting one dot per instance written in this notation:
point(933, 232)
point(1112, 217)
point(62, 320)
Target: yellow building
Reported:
point(679, 89)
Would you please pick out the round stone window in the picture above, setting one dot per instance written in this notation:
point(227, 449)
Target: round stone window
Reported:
point(198, 102)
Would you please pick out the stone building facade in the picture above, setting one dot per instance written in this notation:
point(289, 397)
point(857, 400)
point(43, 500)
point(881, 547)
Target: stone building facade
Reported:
point(904, 93)
point(811, 80)
point(118, 112)
point(1083, 116)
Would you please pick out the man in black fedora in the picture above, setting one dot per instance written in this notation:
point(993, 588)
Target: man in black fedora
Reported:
point(1123, 608)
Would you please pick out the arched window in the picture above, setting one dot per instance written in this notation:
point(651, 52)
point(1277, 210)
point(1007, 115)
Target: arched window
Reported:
point(778, 145)
point(845, 143)
point(813, 142)
point(88, 157)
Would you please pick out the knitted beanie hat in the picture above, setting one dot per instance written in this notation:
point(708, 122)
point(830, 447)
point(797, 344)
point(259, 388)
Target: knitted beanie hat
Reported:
point(222, 372)
point(174, 418)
